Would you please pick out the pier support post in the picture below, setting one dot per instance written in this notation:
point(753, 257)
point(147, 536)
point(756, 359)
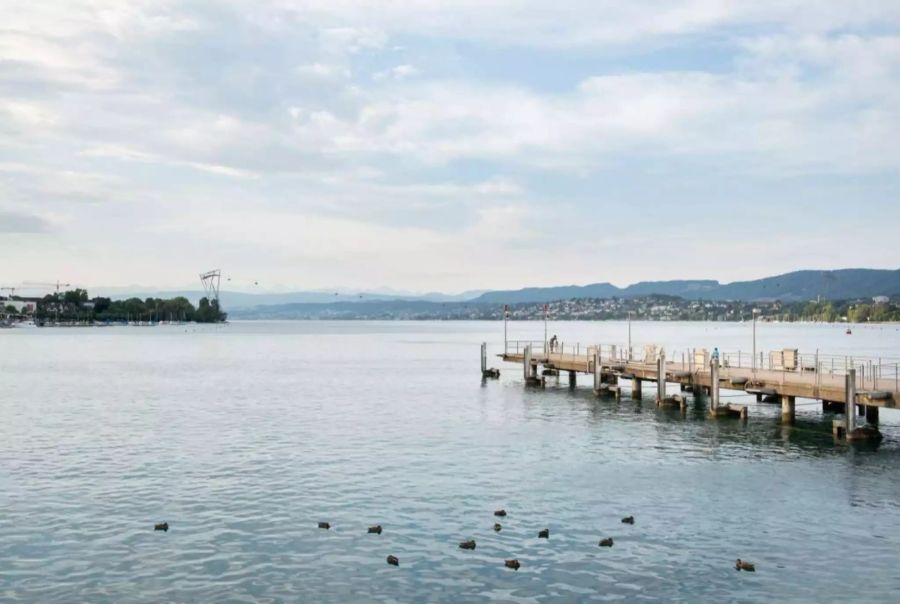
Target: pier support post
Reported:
point(850, 395)
point(872, 414)
point(661, 377)
point(851, 432)
point(483, 357)
point(572, 379)
point(635, 388)
point(526, 362)
point(597, 372)
point(529, 368)
point(759, 397)
point(788, 408)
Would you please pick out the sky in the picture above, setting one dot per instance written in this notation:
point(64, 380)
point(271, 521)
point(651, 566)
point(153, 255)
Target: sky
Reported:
point(437, 145)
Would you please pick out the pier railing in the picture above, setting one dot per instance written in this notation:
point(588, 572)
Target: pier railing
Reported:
point(872, 373)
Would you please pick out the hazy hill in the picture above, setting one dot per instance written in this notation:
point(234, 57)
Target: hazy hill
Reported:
point(799, 285)
point(547, 294)
point(790, 287)
point(234, 300)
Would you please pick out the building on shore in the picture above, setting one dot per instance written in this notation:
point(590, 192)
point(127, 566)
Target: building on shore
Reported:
point(23, 306)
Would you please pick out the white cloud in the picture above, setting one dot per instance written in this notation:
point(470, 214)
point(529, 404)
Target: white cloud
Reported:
point(16, 222)
point(320, 244)
point(843, 118)
point(587, 22)
point(362, 128)
point(353, 39)
point(323, 71)
point(125, 154)
point(23, 114)
point(398, 72)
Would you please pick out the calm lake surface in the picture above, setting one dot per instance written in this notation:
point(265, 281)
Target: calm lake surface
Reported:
point(244, 436)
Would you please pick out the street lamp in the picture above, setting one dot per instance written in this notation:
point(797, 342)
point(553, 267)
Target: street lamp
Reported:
point(505, 318)
point(755, 312)
point(629, 335)
point(546, 313)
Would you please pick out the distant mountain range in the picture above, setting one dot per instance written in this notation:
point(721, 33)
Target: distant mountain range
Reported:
point(234, 300)
point(789, 287)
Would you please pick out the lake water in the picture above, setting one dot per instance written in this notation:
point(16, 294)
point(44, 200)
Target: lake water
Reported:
point(243, 437)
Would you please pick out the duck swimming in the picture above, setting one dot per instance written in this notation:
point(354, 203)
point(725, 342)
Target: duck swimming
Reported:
point(608, 542)
point(500, 513)
point(628, 520)
point(544, 534)
point(745, 566)
point(393, 560)
point(497, 527)
point(513, 564)
point(324, 525)
point(375, 529)
point(470, 544)
point(162, 526)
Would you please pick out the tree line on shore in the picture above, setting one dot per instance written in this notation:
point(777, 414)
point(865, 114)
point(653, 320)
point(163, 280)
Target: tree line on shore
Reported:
point(852, 311)
point(76, 306)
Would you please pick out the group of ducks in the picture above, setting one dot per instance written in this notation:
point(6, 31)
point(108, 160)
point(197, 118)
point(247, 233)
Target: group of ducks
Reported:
point(470, 544)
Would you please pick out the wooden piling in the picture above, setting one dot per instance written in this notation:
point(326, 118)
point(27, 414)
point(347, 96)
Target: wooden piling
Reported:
point(526, 362)
point(872, 414)
point(661, 376)
point(850, 397)
point(635, 388)
point(788, 408)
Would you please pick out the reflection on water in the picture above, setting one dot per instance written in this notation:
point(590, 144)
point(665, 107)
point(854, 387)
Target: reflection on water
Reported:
point(244, 437)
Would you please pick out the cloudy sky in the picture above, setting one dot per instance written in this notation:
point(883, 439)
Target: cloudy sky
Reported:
point(446, 145)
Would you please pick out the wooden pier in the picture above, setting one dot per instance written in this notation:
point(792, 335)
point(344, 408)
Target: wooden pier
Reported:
point(779, 376)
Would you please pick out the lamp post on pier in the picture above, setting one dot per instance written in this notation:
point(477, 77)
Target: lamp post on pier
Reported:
point(546, 314)
point(755, 312)
point(505, 319)
point(629, 335)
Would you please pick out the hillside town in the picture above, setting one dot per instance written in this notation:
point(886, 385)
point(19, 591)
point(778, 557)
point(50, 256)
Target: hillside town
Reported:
point(647, 308)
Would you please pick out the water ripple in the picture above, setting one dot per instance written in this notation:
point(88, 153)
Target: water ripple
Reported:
point(244, 438)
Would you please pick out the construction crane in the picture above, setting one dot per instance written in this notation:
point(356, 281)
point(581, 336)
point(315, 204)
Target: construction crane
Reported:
point(57, 285)
point(36, 285)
